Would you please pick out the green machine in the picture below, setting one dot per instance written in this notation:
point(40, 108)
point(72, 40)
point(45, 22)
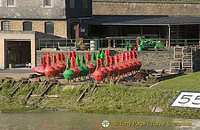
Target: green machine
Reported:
point(149, 43)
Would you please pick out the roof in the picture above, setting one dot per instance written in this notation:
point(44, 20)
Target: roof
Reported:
point(142, 20)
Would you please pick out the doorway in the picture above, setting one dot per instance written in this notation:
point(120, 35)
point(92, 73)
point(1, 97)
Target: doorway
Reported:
point(75, 31)
point(18, 53)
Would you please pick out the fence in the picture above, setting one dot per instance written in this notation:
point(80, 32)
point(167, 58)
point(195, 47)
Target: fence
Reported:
point(85, 44)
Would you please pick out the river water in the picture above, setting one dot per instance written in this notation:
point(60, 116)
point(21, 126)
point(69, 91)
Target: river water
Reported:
point(76, 121)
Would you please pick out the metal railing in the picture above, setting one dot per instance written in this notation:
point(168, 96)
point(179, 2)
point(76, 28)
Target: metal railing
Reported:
point(74, 44)
point(68, 44)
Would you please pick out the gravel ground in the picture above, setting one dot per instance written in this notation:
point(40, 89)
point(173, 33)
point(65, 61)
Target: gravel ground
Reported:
point(167, 67)
point(16, 70)
point(16, 73)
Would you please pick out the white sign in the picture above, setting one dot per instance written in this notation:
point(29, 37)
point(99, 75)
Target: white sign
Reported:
point(82, 29)
point(187, 99)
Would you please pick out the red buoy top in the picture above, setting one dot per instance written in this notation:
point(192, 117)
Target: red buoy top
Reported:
point(117, 59)
point(113, 60)
point(135, 52)
point(54, 60)
point(107, 60)
point(138, 38)
point(98, 63)
point(88, 58)
point(107, 53)
point(123, 57)
point(48, 61)
point(58, 57)
point(42, 61)
point(69, 55)
point(127, 56)
point(63, 58)
point(74, 54)
point(131, 54)
point(73, 62)
point(47, 55)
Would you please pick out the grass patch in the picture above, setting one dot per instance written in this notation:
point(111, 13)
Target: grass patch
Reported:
point(107, 99)
point(185, 82)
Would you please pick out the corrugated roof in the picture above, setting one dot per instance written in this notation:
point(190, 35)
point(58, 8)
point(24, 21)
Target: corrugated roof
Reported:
point(142, 20)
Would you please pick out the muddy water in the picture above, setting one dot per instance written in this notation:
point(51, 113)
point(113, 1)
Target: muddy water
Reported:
point(72, 120)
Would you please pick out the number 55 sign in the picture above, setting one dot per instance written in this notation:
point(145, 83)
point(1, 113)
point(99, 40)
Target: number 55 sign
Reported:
point(187, 99)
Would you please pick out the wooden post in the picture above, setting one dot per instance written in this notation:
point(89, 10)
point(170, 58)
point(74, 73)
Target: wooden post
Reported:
point(109, 43)
point(199, 34)
point(77, 31)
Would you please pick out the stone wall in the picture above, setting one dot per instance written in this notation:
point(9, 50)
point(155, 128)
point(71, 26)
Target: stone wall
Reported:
point(129, 7)
point(149, 59)
point(156, 59)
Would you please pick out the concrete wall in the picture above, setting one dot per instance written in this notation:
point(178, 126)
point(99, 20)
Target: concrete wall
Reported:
point(33, 9)
point(129, 7)
point(60, 26)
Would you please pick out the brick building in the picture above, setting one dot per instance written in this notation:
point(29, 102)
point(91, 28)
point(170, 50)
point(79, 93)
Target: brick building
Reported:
point(23, 23)
point(154, 19)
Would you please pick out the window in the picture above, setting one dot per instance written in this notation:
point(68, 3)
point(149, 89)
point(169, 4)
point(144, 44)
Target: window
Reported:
point(47, 2)
point(27, 26)
point(85, 3)
point(72, 4)
point(10, 2)
point(5, 26)
point(49, 27)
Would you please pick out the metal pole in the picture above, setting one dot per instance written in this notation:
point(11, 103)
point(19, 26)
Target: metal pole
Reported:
point(39, 45)
point(169, 34)
point(141, 31)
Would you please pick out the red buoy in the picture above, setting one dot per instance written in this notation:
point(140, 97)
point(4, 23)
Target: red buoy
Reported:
point(103, 69)
point(89, 64)
point(110, 68)
point(117, 64)
point(60, 63)
point(98, 74)
point(139, 64)
point(75, 69)
point(49, 71)
point(55, 66)
point(124, 65)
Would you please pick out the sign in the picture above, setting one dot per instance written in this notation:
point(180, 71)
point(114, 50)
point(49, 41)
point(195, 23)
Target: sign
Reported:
point(82, 29)
point(105, 123)
point(189, 99)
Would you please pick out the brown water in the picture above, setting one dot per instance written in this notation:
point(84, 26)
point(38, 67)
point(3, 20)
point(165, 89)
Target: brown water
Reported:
point(72, 120)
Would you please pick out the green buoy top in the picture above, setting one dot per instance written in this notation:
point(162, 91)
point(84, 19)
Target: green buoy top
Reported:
point(93, 56)
point(78, 60)
point(68, 63)
point(83, 60)
point(102, 55)
point(98, 55)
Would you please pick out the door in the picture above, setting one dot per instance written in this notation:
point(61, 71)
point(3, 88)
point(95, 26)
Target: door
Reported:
point(75, 31)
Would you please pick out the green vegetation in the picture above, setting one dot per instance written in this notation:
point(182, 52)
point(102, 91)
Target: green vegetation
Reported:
point(186, 82)
point(107, 99)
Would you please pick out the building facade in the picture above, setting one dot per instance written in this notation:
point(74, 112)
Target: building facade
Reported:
point(153, 19)
point(22, 23)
